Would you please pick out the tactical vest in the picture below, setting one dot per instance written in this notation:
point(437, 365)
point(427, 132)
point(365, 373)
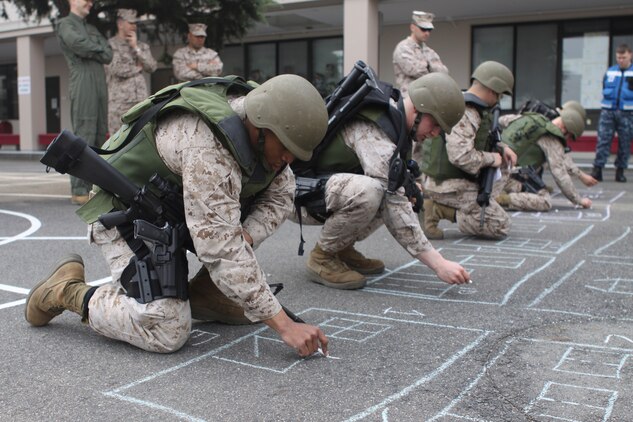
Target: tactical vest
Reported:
point(435, 162)
point(337, 157)
point(522, 134)
point(139, 158)
point(617, 89)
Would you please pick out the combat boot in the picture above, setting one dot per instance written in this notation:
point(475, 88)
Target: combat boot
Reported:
point(596, 173)
point(503, 199)
point(359, 263)
point(433, 213)
point(619, 175)
point(79, 199)
point(327, 268)
point(208, 303)
point(64, 289)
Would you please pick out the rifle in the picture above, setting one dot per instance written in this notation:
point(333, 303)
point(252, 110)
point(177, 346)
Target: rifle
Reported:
point(487, 175)
point(155, 213)
point(529, 178)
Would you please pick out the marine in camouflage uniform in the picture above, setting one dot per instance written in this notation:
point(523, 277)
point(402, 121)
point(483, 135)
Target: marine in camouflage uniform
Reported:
point(412, 57)
point(195, 61)
point(358, 204)
point(85, 51)
point(559, 162)
point(452, 196)
point(131, 58)
point(212, 185)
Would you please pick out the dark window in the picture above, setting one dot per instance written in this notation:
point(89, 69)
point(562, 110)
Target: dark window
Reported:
point(8, 92)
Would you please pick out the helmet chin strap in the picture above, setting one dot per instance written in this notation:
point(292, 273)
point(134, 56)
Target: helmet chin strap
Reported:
point(261, 139)
point(414, 128)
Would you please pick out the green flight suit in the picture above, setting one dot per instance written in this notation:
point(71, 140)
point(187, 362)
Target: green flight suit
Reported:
point(86, 51)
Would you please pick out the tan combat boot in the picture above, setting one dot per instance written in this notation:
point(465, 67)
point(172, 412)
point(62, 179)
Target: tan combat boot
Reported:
point(503, 199)
point(433, 213)
point(64, 289)
point(359, 263)
point(327, 268)
point(208, 303)
point(79, 199)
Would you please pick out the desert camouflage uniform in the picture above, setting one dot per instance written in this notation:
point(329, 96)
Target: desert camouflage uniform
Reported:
point(461, 194)
point(211, 188)
point(207, 60)
point(359, 203)
point(412, 61)
point(561, 166)
point(126, 83)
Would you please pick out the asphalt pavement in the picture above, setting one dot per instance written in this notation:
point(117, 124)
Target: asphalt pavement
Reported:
point(544, 333)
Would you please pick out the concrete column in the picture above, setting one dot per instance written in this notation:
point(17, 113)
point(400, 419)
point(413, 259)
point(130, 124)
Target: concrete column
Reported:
point(360, 34)
point(31, 91)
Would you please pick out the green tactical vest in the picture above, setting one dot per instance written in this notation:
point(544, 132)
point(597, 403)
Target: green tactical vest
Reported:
point(139, 159)
point(435, 162)
point(521, 135)
point(337, 157)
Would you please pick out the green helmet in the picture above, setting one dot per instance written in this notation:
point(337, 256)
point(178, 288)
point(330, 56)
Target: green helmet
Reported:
point(495, 76)
point(573, 121)
point(292, 109)
point(438, 95)
point(575, 105)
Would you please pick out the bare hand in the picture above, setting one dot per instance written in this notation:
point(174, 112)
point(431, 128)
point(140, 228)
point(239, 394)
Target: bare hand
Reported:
point(131, 39)
point(587, 179)
point(509, 157)
point(448, 271)
point(192, 66)
point(303, 338)
point(585, 202)
point(498, 160)
point(453, 273)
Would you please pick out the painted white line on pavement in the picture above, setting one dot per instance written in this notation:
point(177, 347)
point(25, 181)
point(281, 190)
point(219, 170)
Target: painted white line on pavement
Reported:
point(35, 226)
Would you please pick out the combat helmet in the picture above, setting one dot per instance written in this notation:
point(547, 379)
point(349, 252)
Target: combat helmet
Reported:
point(575, 105)
point(292, 109)
point(495, 76)
point(438, 95)
point(573, 121)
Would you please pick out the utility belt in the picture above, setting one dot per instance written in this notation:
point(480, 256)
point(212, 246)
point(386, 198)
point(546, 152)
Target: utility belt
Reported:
point(310, 194)
point(156, 272)
point(530, 179)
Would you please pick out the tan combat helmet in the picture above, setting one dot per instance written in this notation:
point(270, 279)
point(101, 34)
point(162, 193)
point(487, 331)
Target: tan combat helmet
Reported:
point(292, 109)
point(495, 76)
point(438, 95)
point(575, 105)
point(573, 121)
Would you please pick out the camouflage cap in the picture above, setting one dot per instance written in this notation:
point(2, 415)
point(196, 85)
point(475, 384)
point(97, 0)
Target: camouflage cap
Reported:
point(128, 15)
point(198, 29)
point(422, 19)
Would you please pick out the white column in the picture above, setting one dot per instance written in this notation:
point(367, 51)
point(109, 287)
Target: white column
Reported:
point(360, 33)
point(31, 91)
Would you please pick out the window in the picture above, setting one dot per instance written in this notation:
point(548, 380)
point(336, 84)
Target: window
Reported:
point(537, 54)
point(327, 59)
point(262, 61)
point(584, 59)
point(494, 43)
point(319, 60)
point(8, 92)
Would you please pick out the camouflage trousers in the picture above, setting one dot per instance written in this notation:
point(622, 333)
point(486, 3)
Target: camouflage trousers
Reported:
point(161, 326)
point(526, 201)
point(612, 121)
point(354, 202)
point(496, 222)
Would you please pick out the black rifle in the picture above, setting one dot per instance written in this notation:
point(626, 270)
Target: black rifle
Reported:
point(487, 175)
point(529, 178)
point(155, 212)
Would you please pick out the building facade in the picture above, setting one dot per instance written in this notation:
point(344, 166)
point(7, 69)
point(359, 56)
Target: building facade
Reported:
point(558, 51)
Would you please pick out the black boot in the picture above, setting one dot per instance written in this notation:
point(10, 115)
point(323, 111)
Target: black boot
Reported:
point(596, 173)
point(619, 175)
